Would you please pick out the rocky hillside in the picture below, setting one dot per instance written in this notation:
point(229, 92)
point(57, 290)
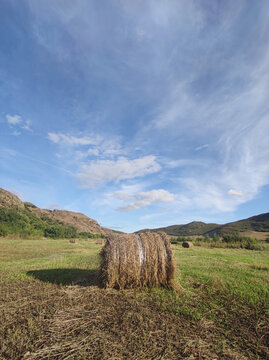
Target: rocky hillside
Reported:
point(80, 222)
point(9, 200)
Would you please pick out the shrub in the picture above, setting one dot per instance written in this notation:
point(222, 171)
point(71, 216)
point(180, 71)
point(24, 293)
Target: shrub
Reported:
point(233, 240)
point(216, 238)
point(57, 231)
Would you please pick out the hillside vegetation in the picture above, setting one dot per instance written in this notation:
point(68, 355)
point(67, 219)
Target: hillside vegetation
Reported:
point(259, 223)
point(26, 219)
point(24, 223)
point(193, 228)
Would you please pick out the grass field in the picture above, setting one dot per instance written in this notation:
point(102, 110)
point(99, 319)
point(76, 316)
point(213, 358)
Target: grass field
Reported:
point(51, 306)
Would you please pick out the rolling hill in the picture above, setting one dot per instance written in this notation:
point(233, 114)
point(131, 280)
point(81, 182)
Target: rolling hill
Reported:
point(258, 223)
point(193, 228)
point(25, 218)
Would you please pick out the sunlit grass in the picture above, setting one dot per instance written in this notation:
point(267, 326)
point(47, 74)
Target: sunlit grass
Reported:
point(226, 288)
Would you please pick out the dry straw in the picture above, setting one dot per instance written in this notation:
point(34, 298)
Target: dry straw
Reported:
point(131, 260)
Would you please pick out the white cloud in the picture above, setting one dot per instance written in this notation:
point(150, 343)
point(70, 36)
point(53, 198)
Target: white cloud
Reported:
point(69, 140)
point(143, 199)
point(93, 146)
point(18, 121)
point(208, 194)
point(13, 119)
point(236, 120)
point(202, 147)
point(26, 125)
point(99, 172)
point(184, 162)
point(233, 192)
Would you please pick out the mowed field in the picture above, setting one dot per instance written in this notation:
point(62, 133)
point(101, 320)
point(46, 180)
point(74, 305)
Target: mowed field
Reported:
point(51, 306)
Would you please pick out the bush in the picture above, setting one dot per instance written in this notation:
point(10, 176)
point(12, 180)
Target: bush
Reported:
point(216, 238)
point(3, 230)
point(58, 231)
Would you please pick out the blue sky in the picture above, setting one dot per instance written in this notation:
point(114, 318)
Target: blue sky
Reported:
point(137, 113)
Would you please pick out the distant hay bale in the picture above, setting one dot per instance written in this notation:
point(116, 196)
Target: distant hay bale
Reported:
point(72, 241)
point(99, 241)
point(187, 244)
point(131, 260)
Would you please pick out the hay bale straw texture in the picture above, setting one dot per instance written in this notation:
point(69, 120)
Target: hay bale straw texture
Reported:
point(132, 260)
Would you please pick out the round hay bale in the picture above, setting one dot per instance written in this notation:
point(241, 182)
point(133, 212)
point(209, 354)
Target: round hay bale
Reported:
point(132, 260)
point(99, 241)
point(72, 241)
point(187, 244)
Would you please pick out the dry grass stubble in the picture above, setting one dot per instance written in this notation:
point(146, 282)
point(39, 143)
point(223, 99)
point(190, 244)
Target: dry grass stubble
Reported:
point(110, 324)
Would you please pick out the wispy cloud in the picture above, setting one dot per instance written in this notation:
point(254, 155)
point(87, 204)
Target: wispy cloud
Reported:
point(7, 151)
point(235, 192)
point(13, 119)
point(234, 116)
point(202, 147)
point(94, 145)
point(184, 162)
point(69, 140)
point(17, 121)
point(99, 172)
point(26, 125)
point(143, 199)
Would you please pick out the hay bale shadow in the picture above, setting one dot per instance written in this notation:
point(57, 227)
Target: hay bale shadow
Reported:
point(67, 276)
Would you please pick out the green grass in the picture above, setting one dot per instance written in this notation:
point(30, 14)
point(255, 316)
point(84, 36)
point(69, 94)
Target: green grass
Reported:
point(19, 257)
point(50, 303)
point(241, 273)
point(239, 276)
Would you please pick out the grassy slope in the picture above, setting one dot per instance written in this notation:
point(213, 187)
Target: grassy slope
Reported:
point(51, 306)
point(257, 224)
point(193, 228)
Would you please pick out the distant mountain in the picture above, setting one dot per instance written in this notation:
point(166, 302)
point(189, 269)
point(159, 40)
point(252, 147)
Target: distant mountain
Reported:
point(193, 228)
point(12, 209)
point(259, 223)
